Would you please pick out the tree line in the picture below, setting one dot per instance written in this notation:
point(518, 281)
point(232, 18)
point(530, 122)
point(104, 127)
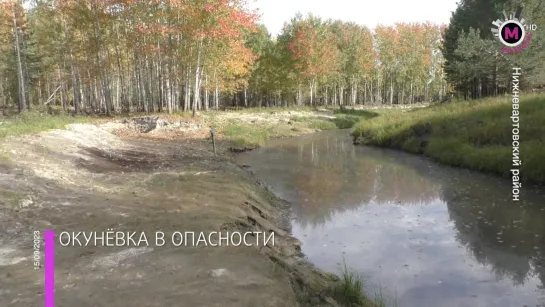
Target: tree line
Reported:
point(475, 65)
point(153, 56)
point(188, 55)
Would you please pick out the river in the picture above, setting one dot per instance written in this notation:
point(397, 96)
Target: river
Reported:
point(424, 234)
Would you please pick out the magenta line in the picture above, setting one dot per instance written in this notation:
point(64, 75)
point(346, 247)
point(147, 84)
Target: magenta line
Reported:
point(49, 269)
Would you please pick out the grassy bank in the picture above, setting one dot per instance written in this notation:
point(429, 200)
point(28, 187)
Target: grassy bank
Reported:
point(470, 134)
point(36, 121)
point(245, 135)
point(256, 133)
point(351, 291)
point(243, 132)
point(348, 118)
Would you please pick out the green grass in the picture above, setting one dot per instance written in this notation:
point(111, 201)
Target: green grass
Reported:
point(347, 118)
point(271, 110)
point(314, 122)
point(470, 134)
point(344, 119)
point(381, 299)
point(350, 291)
point(35, 121)
point(247, 136)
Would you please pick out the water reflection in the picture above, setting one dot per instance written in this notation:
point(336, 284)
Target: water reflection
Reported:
point(506, 235)
point(323, 176)
point(434, 235)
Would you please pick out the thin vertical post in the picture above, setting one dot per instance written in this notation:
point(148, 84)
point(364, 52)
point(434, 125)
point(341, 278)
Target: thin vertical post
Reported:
point(212, 135)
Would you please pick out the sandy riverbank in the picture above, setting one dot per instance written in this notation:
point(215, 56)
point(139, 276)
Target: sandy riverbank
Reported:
point(110, 176)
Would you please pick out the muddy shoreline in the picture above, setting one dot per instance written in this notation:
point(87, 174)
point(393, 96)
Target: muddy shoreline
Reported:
point(87, 179)
point(312, 286)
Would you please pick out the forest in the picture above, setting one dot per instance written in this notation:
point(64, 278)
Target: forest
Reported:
point(118, 56)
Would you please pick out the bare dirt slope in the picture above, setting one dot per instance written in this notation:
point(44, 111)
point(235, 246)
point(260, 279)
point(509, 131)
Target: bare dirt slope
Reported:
point(87, 179)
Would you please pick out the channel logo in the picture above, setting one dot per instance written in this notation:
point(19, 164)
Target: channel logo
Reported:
point(512, 32)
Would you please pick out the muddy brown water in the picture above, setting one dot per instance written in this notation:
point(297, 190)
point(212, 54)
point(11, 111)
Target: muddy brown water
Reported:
point(423, 234)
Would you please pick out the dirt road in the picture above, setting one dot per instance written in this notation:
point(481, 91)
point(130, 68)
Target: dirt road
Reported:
point(87, 179)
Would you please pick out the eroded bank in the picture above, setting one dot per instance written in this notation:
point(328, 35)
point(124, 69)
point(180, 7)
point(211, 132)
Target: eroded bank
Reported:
point(87, 179)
